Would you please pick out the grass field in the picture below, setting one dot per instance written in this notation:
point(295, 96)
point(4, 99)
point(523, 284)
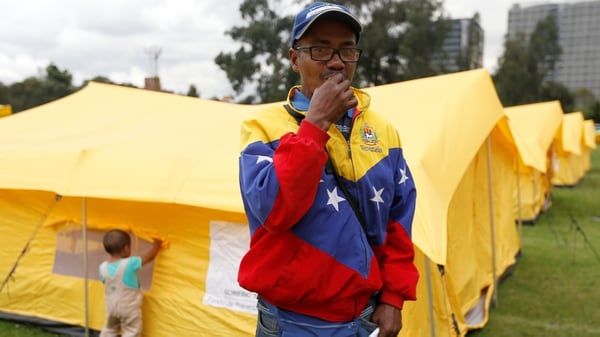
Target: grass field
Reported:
point(552, 292)
point(11, 329)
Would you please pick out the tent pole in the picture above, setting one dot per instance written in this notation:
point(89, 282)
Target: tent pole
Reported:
point(572, 167)
point(519, 214)
point(430, 295)
point(85, 265)
point(492, 223)
point(536, 194)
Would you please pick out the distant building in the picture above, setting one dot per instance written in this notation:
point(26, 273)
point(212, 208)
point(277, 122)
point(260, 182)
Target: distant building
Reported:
point(152, 83)
point(462, 48)
point(227, 99)
point(579, 37)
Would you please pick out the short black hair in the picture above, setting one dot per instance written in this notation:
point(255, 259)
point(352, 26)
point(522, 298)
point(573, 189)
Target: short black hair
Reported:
point(115, 241)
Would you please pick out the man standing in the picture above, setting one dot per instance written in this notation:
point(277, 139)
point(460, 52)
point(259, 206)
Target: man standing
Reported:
point(328, 195)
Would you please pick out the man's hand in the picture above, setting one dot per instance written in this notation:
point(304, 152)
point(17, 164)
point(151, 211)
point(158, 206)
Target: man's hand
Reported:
point(330, 101)
point(388, 319)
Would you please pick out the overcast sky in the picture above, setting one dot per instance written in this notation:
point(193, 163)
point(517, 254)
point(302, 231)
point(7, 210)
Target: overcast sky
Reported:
point(115, 38)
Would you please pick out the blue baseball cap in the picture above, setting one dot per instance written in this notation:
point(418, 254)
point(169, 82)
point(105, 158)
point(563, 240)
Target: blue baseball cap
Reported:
point(320, 10)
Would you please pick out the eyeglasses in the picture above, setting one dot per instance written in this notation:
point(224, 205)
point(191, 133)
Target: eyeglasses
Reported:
point(349, 55)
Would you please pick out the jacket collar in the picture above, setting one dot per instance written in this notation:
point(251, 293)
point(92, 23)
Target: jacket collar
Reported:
point(364, 99)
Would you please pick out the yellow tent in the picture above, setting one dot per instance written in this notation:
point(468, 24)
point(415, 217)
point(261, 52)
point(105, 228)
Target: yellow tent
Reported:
point(166, 165)
point(534, 127)
point(110, 156)
point(5, 110)
point(588, 143)
point(461, 152)
point(567, 165)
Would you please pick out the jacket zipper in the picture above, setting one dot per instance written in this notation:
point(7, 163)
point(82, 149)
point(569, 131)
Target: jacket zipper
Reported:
point(364, 238)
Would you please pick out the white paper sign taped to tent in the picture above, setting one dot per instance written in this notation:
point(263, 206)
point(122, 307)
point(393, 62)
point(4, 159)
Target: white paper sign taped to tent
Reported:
point(228, 243)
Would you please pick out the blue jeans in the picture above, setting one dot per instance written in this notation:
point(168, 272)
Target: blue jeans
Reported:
point(268, 325)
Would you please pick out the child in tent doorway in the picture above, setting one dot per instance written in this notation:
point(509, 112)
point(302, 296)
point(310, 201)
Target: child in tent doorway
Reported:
point(122, 286)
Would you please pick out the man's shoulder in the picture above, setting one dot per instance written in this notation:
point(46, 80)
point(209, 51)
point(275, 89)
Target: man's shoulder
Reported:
point(268, 123)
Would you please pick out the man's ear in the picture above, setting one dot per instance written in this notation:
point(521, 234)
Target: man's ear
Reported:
point(294, 59)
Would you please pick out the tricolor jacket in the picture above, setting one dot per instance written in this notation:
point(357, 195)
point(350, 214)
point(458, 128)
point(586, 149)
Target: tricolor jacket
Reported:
point(308, 252)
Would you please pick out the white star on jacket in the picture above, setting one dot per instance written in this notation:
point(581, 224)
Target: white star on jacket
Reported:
point(334, 199)
point(404, 177)
point(377, 198)
point(260, 159)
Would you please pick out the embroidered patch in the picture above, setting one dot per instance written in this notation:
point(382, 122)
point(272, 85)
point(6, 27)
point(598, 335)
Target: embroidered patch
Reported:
point(369, 138)
point(368, 135)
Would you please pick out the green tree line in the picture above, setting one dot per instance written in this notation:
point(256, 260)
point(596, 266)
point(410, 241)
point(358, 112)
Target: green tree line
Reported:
point(54, 84)
point(402, 40)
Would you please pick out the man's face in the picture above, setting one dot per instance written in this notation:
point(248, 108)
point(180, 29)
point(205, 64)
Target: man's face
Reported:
point(325, 33)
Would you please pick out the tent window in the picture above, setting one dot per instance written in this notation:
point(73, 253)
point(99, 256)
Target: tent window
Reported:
point(68, 258)
point(228, 243)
